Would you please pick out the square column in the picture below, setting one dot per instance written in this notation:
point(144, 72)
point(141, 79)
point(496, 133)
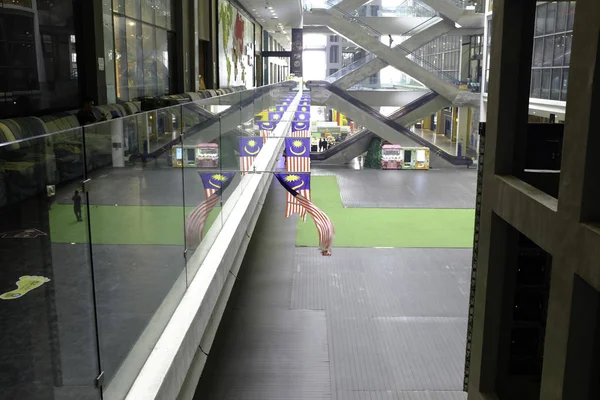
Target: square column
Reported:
point(462, 131)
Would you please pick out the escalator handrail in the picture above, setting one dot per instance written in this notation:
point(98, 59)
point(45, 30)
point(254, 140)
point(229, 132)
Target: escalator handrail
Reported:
point(456, 160)
point(413, 105)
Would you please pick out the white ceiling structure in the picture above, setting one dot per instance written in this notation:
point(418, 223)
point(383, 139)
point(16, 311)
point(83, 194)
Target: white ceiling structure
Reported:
point(278, 17)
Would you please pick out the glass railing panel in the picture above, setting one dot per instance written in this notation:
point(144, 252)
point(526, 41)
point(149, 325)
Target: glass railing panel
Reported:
point(136, 225)
point(198, 156)
point(350, 68)
point(48, 348)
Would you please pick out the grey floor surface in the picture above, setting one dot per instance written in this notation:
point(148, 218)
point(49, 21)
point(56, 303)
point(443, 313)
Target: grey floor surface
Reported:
point(362, 324)
point(442, 188)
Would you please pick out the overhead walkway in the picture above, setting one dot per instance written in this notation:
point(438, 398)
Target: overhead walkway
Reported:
point(389, 129)
point(460, 11)
point(367, 38)
point(389, 97)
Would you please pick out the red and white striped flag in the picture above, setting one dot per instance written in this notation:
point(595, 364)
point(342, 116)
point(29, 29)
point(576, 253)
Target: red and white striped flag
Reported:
point(214, 185)
point(194, 223)
point(324, 225)
point(264, 134)
point(300, 129)
point(293, 207)
point(297, 164)
point(266, 128)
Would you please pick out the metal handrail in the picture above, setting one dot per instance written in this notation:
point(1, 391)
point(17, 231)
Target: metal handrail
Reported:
point(373, 32)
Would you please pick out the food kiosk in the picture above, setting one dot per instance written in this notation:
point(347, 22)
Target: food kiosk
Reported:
point(392, 156)
point(398, 157)
point(203, 155)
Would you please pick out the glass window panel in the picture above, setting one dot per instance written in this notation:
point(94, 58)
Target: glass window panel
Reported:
point(559, 50)
point(568, 42)
point(22, 54)
point(540, 20)
point(160, 13)
point(148, 11)
point(538, 52)
point(149, 67)
point(333, 54)
point(135, 79)
point(556, 84)
point(545, 88)
point(571, 16)
point(119, 6)
point(565, 84)
point(548, 51)
point(170, 13)
point(312, 41)
point(561, 16)
point(551, 18)
point(133, 8)
point(162, 64)
point(536, 83)
point(121, 67)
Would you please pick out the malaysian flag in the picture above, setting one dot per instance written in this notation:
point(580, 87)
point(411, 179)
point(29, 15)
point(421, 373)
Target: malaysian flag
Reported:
point(249, 149)
point(297, 151)
point(302, 116)
point(301, 183)
point(195, 221)
point(214, 181)
point(265, 128)
point(322, 222)
point(300, 129)
point(275, 116)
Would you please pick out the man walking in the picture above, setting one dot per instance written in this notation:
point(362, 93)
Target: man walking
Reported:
point(77, 205)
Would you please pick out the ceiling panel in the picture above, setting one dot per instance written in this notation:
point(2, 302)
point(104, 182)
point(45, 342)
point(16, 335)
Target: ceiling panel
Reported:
point(278, 17)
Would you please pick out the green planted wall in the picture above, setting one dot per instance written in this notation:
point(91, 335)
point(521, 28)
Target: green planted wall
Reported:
point(373, 158)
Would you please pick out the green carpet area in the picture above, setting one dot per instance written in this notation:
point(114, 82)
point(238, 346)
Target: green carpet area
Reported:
point(385, 227)
point(123, 224)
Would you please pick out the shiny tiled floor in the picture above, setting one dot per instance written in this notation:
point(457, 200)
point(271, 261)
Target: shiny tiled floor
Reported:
point(442, 142)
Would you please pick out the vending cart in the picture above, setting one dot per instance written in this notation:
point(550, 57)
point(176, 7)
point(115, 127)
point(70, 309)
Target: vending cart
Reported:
point(391, 156)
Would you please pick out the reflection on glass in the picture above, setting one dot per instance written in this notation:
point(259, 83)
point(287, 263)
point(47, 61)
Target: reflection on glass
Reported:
point(144, 48)
point(38, 58)
point(149, 60)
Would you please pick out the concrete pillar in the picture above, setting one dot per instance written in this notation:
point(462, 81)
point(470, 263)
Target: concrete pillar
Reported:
point(454, 124)
point(579, 196)
point(118, 147)
point(465, 58)
point(508, 100)
point(439, 127)
point(462, 130)
point(427, 123)
point(96, 48)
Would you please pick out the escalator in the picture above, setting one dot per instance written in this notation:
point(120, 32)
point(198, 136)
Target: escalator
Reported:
point(386, 127)
point(358, 143)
